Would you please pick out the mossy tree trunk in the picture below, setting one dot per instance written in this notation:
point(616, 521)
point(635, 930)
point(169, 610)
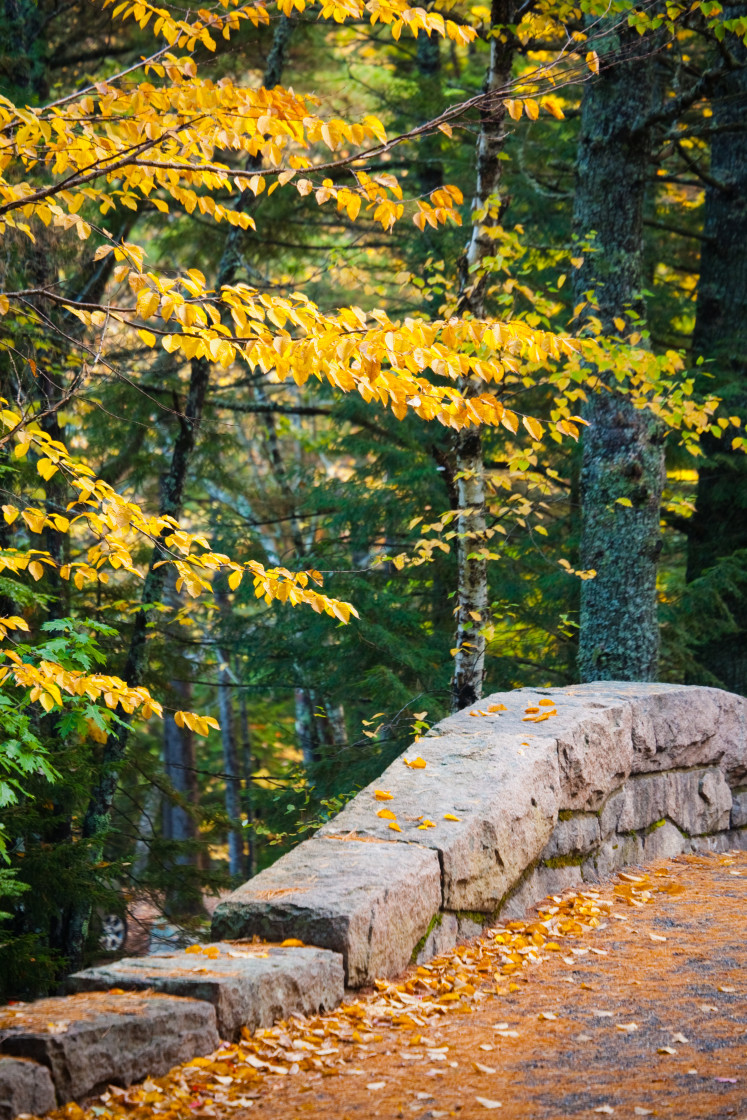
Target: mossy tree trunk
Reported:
point(623, 448)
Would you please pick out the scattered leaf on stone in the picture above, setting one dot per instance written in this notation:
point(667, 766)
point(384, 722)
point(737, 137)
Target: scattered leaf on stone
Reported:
point(666, 1050)
point(416, 763)
point(451, 817)
point(395, 827)
point(383, 795)
point(386, 814)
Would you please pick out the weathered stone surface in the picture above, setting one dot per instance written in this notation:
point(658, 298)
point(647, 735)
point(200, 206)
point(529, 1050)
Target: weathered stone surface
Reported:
point(369, 901)
point(680, 726)
point(24, 1087)
point(442, 937)
point(504, 794)
point(249, 985)
point(543, 882)
point(665, 842)
point(91, 1040)
point(576, 834)
point(735, 838)
point(696, 801)
point(739, 808)
point(591, 732)
point(468, 927)
point(611, 856)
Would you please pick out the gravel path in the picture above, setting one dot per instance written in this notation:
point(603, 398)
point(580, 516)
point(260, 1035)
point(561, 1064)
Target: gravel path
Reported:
point(655, 1026)
point(627, 1000)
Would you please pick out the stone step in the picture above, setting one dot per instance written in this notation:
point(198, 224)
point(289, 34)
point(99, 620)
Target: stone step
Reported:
point(248, 984)
point(92, 1040)
point(370, 901)
point(25, 1087)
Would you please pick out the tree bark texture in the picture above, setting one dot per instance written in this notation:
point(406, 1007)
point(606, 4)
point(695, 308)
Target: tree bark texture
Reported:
point(487, 209)
point(623, 449)
point(719, 526)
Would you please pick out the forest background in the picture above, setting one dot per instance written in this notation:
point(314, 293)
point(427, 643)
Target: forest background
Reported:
point(514, 460)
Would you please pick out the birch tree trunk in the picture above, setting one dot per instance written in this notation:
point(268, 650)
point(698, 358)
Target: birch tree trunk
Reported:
point(719, 526)
point(623, 448)
point(487, 212)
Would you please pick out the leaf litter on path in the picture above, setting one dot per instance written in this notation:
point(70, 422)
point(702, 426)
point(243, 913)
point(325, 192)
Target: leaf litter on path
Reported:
point(483, 996)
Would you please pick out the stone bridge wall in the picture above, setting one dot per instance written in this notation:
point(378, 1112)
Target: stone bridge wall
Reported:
point(530, 792)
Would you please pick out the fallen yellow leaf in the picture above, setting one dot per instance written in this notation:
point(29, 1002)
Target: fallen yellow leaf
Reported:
point(387, 814)
point(291, 943)
point(395, 827)
point(451, 817)
point(383, 795)
point(416, 764)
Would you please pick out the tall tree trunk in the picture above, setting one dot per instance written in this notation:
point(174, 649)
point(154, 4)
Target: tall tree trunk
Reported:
point(178, 764)
point(96, 820)
point(623, 448)
point(247, 769)
point(231, 769)
point(487, 213)
point(719, 526)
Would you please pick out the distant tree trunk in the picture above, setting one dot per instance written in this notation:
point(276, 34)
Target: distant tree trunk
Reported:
point(247, 768)
point(623, 448)
point(719, 526)
point(232, 774)
point(179, 766)
point(306, 731)
point(145, 832)
point(487, 209)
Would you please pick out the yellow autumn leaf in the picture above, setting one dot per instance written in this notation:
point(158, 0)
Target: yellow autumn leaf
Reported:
point(451, 817)
point(291, 943)
point(395, 827)
point(383, 795)
point(514, 108)
point(416, 763)
point(386, 815)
